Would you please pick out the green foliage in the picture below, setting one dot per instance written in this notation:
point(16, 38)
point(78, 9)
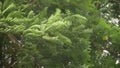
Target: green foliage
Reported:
point(60, 43)
point(57, 34)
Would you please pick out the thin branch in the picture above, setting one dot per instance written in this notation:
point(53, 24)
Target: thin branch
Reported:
point(13, 39)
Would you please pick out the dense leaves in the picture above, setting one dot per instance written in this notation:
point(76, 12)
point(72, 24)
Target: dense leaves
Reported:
point(46, 34)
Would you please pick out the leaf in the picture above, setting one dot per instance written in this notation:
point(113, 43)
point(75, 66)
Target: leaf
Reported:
point(46, 37)
point(10, 8)
point(7, 3)
point(58, 26)
point(55, 17)
point(79, 16)
point(105, 37)
point(30, 14)
point(17, 14)
point(64, 39)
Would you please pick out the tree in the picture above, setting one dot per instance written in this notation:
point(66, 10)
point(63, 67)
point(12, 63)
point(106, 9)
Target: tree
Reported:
point(46, 34)
point(44, 40)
